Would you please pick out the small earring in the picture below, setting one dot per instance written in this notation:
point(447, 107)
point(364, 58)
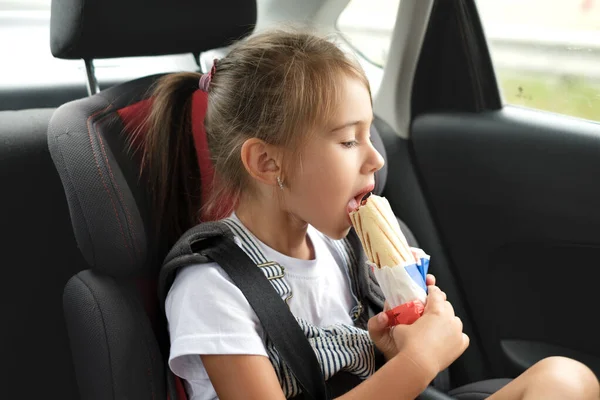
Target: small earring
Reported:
point(280, 183)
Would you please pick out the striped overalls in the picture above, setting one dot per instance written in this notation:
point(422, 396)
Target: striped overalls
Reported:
point(338, 347)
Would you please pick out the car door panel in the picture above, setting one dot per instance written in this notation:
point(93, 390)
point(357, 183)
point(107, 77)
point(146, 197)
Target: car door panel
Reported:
point(404, 192)
point(515, 197)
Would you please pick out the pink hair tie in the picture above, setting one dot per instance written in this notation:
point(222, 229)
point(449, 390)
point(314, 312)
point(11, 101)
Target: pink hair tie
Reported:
point(205, 79)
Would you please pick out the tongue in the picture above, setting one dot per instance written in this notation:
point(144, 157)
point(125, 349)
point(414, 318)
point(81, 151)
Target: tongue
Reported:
point(352, 205)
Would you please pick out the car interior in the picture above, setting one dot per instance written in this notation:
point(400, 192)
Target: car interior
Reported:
point(502, 197)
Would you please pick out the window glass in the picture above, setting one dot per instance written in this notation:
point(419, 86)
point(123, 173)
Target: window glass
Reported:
point(367, 25)
point(546, 53)
point(28, 62)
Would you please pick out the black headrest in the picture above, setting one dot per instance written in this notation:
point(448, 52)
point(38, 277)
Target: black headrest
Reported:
point(89, 29)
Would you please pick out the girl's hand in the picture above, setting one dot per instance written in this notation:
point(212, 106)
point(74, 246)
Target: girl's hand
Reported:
point(430, 280)
point(380, 332)
point(436, 339)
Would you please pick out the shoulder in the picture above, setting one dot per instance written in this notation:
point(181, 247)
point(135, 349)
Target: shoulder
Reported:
point(208, 314)
point(204, 299)
point(204, 283)
point(189, 275)
point(199, 279)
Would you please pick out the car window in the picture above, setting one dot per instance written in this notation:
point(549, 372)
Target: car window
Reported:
point(27, 60)
point(367, 25)
point(546, 54)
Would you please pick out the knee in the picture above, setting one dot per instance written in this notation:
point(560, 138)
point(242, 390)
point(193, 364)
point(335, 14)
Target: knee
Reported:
point(569, 377)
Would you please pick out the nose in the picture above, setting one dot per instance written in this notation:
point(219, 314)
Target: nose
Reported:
point(374, 160)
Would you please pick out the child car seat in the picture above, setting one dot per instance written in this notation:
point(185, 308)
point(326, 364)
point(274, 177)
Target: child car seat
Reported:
point(115, 332)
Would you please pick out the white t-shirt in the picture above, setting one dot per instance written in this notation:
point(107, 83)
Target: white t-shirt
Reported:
point(208, 314)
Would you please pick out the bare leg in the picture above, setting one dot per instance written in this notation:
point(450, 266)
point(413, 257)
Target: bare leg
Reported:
point(553, 378)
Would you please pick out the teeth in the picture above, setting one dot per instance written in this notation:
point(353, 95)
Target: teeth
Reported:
point(380, 234)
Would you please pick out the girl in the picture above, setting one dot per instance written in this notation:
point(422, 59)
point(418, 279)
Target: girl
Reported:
point(288, 122)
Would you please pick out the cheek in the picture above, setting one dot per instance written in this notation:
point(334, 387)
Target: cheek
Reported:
point(330, 176)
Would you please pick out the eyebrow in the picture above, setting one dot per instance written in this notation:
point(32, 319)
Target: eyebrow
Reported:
point(351, 123)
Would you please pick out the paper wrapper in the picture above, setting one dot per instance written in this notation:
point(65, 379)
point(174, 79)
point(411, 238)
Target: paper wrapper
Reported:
point(404, 288)
point(399, 269)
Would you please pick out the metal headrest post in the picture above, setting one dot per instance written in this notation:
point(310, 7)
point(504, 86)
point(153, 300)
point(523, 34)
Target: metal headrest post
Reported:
point(92, 82)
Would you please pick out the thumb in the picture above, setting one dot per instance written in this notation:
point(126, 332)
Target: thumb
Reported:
point(377, 325)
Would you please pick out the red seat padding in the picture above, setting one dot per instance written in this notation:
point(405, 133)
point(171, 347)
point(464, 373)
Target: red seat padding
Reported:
point(135, 114)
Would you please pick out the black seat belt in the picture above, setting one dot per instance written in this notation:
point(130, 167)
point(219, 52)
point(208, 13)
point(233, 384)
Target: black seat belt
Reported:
point(276, 318)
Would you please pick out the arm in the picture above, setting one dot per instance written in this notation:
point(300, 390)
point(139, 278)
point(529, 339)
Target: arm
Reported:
point(242, 377)
point(253, 377)
point(401, 378)
point(421, 351)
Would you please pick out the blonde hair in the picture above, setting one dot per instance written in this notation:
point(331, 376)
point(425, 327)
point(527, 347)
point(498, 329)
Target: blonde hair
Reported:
point(279, 86)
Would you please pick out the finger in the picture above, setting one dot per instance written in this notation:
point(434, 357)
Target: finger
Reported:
point(435, 293)
point(435, 299)
point(433, 289)
point(430, 280)
point(382, 320)
point(398, 332)
point(458, 322)
point(379, 332)
point(377, 325)
point(386, 306)
point(449, 307)
point(391, 331)
point(465, 341)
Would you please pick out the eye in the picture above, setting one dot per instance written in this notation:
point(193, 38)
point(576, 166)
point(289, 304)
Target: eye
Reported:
point(350, 144)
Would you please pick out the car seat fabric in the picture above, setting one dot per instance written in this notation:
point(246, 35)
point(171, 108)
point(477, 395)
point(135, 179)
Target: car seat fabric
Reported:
point(40, 255)
point(479, 390)
point(115, 342)
point(101, 180)
point(106, 29)
point(115, 334)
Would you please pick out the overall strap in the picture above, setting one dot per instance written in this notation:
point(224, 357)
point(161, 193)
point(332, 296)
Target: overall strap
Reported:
point(272, 270)
point(249, 243)
point(344, 352)
point(280, 326)
point(344, 255)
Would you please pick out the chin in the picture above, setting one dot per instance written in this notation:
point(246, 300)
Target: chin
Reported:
point(339, 233)
point(335, 229)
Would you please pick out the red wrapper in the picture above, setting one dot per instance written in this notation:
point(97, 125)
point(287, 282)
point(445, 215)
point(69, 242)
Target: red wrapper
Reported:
point(406, 313)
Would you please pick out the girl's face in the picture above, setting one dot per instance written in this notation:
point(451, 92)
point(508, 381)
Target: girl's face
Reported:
point(338, 166)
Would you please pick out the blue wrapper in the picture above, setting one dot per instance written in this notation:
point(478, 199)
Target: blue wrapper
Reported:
point(418, 272)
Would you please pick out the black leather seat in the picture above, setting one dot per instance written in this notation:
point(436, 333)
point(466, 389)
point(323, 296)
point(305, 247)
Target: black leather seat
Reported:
point(39, 256)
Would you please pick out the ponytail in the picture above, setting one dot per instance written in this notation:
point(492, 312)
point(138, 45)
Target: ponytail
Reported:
point(169, 157)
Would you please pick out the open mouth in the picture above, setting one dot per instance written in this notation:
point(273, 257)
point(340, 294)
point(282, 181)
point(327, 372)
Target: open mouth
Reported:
point(360, 198)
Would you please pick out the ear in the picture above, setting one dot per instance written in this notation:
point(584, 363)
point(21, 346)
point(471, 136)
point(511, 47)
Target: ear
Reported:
point(262, 161)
